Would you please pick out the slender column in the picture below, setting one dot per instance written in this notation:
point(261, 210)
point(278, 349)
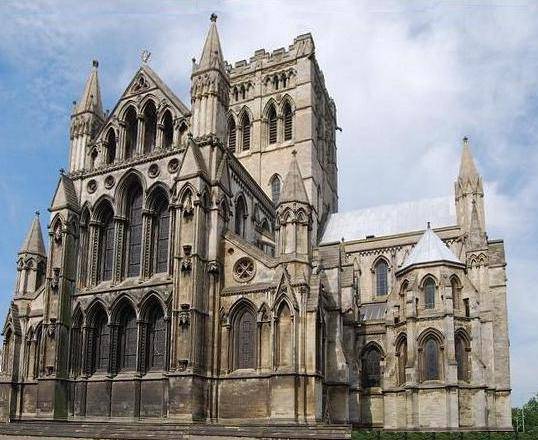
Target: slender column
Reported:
point(159, 136)
point(93, 254)
point(121, 141)
point(119, 240)
point(147, 248)
point(139, 148)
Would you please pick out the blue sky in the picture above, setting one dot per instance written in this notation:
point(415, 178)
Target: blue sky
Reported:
point(410, 79)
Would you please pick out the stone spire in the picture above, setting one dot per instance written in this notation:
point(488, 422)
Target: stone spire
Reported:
point(212, 52)
point(293, 189)
point(467, 167)
point(90, 100)
point(469, 192)
point(86, 119)
point(33, 243)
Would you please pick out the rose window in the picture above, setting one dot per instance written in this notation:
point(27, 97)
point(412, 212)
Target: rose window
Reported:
point(244, 269)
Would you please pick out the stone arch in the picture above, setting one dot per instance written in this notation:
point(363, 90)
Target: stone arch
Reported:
point(430, 350)
point(167, 124)
point(149, 111)
point(244, 334)
point(125, 336)
point(240, 215)
point(402, 356)
point(130, 119)
point(371, 357)
point(97, 350)
point(154, 332)
point(380, 270)
point(284, 334)
point(462, 350)
point(130, 179)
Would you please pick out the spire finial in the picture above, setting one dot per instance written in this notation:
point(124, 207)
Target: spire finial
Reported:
point(145, 56)
point(62, 171)
point(37, 213)
point(95, 63)
point(429, 226)
point(213, 17)
point(294, 153)
point(465, 140)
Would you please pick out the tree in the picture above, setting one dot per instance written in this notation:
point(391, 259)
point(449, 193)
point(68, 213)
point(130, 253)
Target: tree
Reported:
point(526, 416)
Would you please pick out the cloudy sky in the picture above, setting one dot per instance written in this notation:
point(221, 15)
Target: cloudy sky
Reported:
point(410, 79)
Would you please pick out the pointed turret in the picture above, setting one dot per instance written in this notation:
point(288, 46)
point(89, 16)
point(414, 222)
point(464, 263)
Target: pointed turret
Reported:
point(32, 260)
point(293, 189)
point(294, 214)
point(430, 249)
point(86, 119)
point(212, 52)
point(210, 88)
point(469, 194)
point(90, 101)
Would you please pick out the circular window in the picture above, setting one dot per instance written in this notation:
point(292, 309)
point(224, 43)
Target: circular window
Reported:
point(173, 165)
point(153, 170)
point(109, 182)
point(92, 186)
point(244, 269)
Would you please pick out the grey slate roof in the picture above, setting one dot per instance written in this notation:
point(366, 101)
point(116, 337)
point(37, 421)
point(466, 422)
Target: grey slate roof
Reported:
point(65, 195)
point(373, 312)
point(390, 219)
point(293, 189)
point(430, 249)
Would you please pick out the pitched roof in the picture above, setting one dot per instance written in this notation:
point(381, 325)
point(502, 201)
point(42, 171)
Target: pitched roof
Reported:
point(212, 52)
point(90, 101)
point(293, 189)
point(430, 249)
point(65, 195)
point(33, 243)
point(389, 219)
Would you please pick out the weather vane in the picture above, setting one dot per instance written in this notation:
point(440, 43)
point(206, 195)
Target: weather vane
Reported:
point(145, 56)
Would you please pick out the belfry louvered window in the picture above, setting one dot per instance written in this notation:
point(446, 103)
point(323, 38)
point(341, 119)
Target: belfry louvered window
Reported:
point(272, 125)
point(288, 122)
point(232, 135)
point(135, 233)
point(245, 126)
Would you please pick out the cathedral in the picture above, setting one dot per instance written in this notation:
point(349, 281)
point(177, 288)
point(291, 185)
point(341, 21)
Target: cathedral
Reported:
point(197, 270)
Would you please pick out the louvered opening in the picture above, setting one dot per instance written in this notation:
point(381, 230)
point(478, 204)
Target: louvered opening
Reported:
point(272, 126)
point(288, 123)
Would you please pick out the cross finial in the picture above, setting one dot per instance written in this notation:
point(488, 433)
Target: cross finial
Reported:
point(37, 213)
point(145, 56)
point(294, 153)
point(429, 226)
point(465, 140)
point(62, 171)
point(95, 63)
point(213, 17)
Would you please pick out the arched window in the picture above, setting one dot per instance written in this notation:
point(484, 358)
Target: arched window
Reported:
point(131, 132)
point(240, 217)
point(37, 349)
point(402, 360)
point(455, 287)
point(236, 94)
point(162, 228)
point(150, 127)
point(100, 342)
point(83, 246)
point(275, 189)
point(371, 367)
point(430, 359)
point(93, 159)
point(272, 125)
point(8, 352)
point(135, 232)
point(106, 245)
point(284, 334)
point(76, 343)
point(168, 130)
point(245, 128)
point(245, 339)
point(462, 357)
point(429, 293)
point(110, 146)
point(40, 274)
point(232, 134)
point(156, 339)
point(288, 122)
point(243, 92)
point(381, 277)
point(127, 339)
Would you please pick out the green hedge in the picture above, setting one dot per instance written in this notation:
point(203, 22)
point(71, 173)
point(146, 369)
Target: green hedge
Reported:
point(380, 435)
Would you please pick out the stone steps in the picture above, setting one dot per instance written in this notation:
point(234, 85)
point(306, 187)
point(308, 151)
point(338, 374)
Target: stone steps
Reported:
point(168, 430)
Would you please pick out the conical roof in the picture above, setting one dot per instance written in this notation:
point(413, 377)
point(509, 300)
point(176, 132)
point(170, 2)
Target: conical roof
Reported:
point(293, 189)
point(467, 166)
point(65, 195)
point(212, 52)
point(430, 249)
point(33, 243)
point(90, 100)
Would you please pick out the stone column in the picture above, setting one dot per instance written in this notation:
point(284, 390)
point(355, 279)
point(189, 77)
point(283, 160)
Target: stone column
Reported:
point(119, 240)
point(139, 147)
point(93, 254)
point(120, 154)
point(147, 241)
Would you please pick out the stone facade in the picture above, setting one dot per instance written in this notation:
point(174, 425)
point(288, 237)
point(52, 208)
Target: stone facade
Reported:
point(196, 271)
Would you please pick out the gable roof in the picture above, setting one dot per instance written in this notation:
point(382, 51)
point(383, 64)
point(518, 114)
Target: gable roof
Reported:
point(65, 195)
point(389, 219)
point(430, 249)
